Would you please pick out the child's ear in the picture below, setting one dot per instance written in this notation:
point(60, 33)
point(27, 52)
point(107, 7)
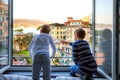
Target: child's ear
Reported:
point(76, 36)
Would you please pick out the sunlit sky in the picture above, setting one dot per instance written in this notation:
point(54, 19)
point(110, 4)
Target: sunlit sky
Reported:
point(6, 1)
point(51, 10)
point(59, 10)
point(104, 11)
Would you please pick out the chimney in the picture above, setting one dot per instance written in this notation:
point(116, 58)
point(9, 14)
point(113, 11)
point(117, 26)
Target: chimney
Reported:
point(69, 18)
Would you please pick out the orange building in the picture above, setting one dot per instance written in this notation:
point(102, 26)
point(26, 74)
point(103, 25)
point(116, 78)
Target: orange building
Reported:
point(82, 22)
point(72, 25)
point(71, 22)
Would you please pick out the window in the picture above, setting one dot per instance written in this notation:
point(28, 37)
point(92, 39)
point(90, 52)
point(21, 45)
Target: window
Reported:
point(27, 27)
point(64, 37)
point(2, 18)
point(0, 10)
point(4, 59)
point(64, 32)
point(0, 32)
point(103, 34)
point(0, 24)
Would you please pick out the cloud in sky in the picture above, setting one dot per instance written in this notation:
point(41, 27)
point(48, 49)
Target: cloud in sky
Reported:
point(51, 10)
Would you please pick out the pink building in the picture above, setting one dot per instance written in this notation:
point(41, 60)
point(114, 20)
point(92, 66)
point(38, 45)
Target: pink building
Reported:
point(3, 20)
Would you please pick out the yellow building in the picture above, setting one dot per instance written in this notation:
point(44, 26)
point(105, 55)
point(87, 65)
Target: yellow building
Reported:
point(70, 32)
point(85, 21)
point(58, 31)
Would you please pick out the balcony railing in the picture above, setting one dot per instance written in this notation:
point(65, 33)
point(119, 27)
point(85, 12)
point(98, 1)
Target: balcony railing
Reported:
point(55, 61)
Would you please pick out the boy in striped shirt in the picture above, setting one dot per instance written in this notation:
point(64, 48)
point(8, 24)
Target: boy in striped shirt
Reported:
point(85, 65)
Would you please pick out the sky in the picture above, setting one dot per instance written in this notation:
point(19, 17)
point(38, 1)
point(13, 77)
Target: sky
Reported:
point(104, 11)
point(51, 10)
point(6, 1)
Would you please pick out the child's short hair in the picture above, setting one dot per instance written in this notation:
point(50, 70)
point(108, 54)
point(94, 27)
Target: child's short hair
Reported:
point(45, 29)
point(80, 33)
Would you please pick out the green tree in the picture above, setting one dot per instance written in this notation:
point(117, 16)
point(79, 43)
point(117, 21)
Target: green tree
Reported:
point(38, 28)
point(18, 30)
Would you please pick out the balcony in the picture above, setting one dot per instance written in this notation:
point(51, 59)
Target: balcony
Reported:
point(21, 67)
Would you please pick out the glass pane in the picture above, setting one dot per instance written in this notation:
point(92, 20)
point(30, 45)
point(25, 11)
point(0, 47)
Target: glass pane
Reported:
point(103, 34)
point(63, 19)
point(3, 33)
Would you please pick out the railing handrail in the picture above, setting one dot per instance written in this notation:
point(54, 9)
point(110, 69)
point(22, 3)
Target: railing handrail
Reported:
point(3, 55)
point(30, 57)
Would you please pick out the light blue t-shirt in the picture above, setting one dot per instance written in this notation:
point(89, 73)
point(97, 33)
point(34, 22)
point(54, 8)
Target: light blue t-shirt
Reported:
point(40, 45)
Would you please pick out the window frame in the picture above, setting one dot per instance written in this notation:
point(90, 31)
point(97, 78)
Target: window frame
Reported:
point(115, 37)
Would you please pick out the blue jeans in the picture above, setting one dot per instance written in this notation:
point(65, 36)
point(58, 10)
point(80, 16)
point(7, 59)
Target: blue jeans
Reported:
point(41, 61)
point(74, 69)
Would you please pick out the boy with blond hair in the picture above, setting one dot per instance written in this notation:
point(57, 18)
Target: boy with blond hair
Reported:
point(85, 65)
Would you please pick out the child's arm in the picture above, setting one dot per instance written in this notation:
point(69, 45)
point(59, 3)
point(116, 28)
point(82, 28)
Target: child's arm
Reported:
point(53, 47)
point(30, 46)
point(65, 42)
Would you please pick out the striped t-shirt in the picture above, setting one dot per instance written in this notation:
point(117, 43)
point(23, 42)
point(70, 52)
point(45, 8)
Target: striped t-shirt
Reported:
point(82, 57)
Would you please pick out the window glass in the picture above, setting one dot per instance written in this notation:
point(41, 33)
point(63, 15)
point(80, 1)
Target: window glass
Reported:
point(3, 34)
point(103, 34)
point(27, 23)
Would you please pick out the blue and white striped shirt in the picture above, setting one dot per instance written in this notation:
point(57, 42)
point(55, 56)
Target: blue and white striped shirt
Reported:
point(82, 57)
point(40, 45)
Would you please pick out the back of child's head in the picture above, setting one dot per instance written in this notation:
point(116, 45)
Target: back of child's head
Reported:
point(45, 29)
point(106, 34)
point(80, 33)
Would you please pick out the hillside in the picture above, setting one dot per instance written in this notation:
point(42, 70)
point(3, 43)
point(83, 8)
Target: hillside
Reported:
point(28, 23)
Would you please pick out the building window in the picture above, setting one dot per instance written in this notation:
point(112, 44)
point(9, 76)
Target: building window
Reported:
point(61, 32)
point(64, 37)
point(3, 18)
point(0, 10)
point(62, 54)
point(64, 32)
point(57, 32)
point(0, 32)
point(0, 24)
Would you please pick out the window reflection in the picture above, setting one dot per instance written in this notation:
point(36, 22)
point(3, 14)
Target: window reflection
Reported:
point(3, 33)
point(103, 34)
point(106, 49)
